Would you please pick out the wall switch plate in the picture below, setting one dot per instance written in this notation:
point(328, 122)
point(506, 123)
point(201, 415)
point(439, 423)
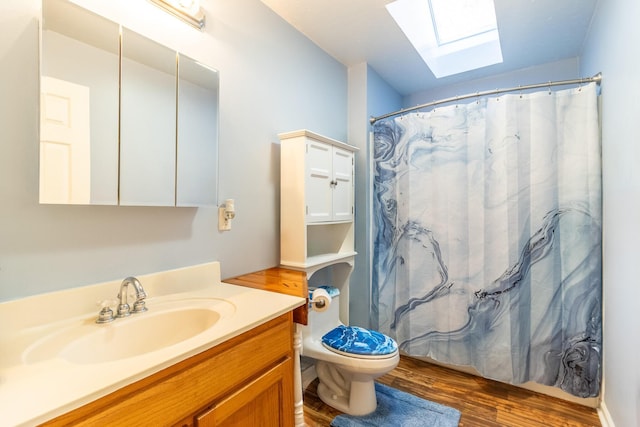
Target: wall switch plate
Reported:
point(224, 224)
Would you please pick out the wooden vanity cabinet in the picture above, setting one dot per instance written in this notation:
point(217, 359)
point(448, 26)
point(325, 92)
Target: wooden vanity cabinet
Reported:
point(245, 381)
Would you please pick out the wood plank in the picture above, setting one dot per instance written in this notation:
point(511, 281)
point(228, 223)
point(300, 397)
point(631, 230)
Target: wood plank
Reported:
point(281, 280)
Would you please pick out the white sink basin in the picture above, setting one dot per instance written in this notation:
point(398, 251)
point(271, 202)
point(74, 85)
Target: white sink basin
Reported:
point(55, 358)
point(162, 326)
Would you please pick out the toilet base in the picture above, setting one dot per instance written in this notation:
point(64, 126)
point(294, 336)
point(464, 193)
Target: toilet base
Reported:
point(351, 393)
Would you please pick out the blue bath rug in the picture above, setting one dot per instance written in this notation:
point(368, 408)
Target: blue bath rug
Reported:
point(399, 409)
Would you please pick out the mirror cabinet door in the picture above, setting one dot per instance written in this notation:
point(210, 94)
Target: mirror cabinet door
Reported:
point(78, 106)
point(117, 125)
point(197, 159)
point(147, 122)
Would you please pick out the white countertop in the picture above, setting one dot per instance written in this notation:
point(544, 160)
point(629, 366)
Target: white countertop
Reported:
point(34, 390)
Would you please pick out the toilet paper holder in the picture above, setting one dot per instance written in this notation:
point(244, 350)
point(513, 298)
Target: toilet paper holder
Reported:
point(320, 300)
point(319, 303)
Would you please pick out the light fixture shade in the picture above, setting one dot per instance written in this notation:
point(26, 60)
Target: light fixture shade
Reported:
point(188, 11)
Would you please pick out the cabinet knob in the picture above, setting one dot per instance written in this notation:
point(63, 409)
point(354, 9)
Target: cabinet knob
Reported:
point(333, 183)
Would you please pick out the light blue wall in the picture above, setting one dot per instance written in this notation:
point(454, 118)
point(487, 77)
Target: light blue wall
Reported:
point(369, 95)
point(560, 70)
point(272, 80)
point(612, 49)
point(382, 97)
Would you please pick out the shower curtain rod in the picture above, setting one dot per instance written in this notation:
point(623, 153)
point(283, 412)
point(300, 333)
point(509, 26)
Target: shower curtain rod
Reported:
point(597, 79)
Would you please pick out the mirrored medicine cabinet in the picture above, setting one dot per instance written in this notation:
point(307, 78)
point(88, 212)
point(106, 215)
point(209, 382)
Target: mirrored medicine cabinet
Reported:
point(123, 119)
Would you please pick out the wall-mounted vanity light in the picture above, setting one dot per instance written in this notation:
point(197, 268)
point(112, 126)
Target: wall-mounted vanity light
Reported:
point(187, 10)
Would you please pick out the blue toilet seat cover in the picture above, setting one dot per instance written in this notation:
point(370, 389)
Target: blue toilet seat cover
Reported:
point(359, 341)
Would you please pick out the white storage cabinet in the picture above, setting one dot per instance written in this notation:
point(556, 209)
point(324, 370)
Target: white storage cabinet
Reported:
point(316, 200)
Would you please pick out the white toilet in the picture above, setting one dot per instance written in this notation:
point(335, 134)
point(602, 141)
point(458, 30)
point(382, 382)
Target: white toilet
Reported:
point(348, 359)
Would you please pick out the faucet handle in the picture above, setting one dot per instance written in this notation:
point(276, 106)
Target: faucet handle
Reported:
point(106, 314)
point(139, 306)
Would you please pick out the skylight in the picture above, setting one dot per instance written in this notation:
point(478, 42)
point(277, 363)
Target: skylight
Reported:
point(451, 36)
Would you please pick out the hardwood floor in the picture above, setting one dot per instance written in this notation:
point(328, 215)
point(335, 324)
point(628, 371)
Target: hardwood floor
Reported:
point(482, 402)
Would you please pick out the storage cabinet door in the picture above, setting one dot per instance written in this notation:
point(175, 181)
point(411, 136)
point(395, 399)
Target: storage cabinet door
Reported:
point(319, 190)
point(262, 402)
point(343, 185)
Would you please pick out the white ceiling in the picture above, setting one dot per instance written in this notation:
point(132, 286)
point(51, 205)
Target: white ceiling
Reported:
point(532, 32)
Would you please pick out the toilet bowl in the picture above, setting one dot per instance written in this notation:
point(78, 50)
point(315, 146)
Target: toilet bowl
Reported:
point(348, 358)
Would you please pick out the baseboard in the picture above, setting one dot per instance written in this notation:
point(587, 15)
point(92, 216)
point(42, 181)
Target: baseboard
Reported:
point(605, 417)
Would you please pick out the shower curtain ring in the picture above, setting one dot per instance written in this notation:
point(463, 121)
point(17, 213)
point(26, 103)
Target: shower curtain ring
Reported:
point(549, 87)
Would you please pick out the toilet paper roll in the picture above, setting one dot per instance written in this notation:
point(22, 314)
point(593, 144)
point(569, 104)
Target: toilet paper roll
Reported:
point(320, 300)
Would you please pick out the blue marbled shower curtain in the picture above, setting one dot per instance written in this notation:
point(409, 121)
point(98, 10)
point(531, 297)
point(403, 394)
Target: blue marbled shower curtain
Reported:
point(487, 237)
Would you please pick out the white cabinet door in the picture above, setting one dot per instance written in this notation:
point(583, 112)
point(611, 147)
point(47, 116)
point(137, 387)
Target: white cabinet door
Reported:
point(342, 184)
point(329, 175)
point(318, 177)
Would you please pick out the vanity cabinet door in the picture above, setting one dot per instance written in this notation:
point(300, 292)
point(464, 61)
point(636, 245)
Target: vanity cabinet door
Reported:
point(259, 403)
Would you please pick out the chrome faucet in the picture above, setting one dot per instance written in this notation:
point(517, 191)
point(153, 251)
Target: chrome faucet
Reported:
point(124, 309)
point(106, 314)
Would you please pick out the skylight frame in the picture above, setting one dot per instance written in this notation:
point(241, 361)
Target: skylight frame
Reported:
point(417, 21)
